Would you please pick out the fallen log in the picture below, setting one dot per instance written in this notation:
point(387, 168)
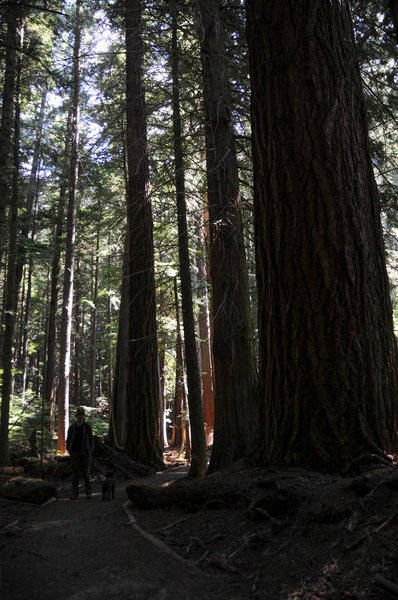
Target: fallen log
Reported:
point(26, 489)
point(156, 496)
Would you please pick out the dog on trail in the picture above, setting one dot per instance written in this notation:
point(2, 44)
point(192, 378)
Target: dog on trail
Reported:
point(108, 486)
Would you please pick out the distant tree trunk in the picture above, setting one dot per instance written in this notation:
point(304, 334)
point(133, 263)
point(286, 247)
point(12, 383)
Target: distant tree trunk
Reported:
point(327, 349)
point(235, 372)
point(28, 230)
point(118, 409)
point(77, 367)
point(50, 376)
point(195, 404)
point(67, 301)
point(205, 338)
point(25, 323)
point(109, 320)
point(163, 423)
point(11, 293)
point(11, 43)
point(143, 437)
point(179, 388)
point(93, 325)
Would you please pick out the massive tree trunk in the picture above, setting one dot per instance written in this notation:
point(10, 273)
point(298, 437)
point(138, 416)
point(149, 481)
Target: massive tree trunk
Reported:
point(12, 17)
point(143, 436)
point(235, 373)
point(198, 441)
point(67, 301)
point(12, 288)
point(327, 348)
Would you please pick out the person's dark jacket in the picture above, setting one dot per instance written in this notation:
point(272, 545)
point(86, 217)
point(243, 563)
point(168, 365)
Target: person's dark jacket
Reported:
point(87, 445)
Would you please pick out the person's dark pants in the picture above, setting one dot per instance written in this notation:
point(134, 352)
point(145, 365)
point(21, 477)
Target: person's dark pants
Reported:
point(80, 464)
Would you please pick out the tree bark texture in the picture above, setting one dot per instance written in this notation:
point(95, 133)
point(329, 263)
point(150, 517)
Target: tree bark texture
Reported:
point(118, 409)
point(50, 376)
point(327, 348)
point(205, 335)
point(12, 287)
point(67, 300)
point(94, 325)
point(179, 389)
point(198, 442)
point(7, 111)
point(143, 436)
point(235, 373)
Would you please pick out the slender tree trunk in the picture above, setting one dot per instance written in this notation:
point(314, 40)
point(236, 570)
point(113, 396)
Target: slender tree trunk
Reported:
point(118, 409)
point(67, 301)
point(94, 325)
point(179, 389)
point(29, 229)
point(163, 423)
point(11, 297)
point(109, 319)
point(327, 349)
point(50, 377)
point(198, 441)
point(205, 338)
point(143, 438)
point(77, 366)
point(235, 372)
point(25, 321)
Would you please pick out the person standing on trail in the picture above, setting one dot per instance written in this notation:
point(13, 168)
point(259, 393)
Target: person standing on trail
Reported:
point(80, 445)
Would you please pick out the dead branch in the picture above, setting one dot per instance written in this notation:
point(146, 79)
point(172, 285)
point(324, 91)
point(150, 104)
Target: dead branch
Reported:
point(387, 585)
point(219, 561)
point(32, 552)
point(148, 536)
point(368, 534)
point(172, 524)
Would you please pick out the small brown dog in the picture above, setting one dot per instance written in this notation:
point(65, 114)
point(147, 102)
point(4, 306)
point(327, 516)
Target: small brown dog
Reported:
point(108, 486)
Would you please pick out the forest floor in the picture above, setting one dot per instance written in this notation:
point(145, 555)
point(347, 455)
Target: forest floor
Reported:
point(239, 534)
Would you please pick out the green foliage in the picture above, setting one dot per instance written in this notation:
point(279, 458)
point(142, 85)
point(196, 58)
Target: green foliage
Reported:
point(28, 415)
point(31, 416)
point(376, 48)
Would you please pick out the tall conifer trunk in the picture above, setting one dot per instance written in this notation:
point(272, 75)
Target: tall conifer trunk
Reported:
point(12, 17)
point(234, 365)
point(12, 288)
point(195, 403)
point(205, 336)
point(327, 349)
point(67, 300)
point(118, 409)
point(143, 436)
point(50, 375)
point(94, 326)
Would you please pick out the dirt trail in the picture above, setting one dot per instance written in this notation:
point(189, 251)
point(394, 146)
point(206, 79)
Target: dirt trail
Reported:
point(244, 534)
point(83, 550)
